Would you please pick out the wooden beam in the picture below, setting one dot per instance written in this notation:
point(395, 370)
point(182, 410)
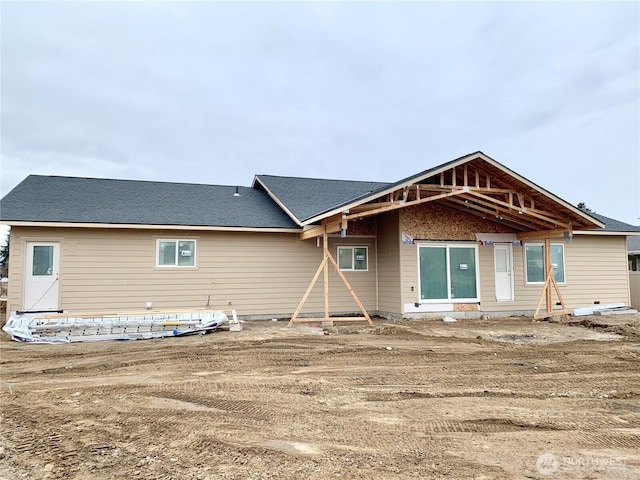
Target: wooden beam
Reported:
point(397, 205)
point(528, 211)
point(308, 292)
point(541, 234)
point(549, 269)
point(531, 222)
point(348, 285)
point(331, 226)
point(485, 213)
point(326, 276)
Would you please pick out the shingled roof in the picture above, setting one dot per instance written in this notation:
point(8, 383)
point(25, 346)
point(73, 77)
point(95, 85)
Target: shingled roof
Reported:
point(612, 225)
point(305, 198)
point(104, 201)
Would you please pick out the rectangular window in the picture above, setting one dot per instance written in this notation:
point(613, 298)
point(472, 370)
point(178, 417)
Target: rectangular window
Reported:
point(176, 253)
point(536, 263)
point(42, 260)
point(448, 272)
point(353, 258)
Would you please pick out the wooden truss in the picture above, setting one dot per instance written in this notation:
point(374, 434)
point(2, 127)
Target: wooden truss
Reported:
point(474, 188)
point(547, 292)
point(324, 264)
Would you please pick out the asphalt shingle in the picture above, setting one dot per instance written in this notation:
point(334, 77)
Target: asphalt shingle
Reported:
point(91, 200)
point(308, 197)
point(612, 225)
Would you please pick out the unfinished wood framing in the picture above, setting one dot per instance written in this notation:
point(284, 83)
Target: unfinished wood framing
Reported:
point(483, 191)
point(547, 293)
point(324, 267)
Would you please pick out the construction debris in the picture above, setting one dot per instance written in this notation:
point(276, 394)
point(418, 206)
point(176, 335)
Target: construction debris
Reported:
point(578, 312)
point(63, 328)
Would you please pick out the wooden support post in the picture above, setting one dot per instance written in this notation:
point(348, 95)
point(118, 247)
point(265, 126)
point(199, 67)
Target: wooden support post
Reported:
point(547, 292)
point(308, 292)
point(549, 269)
point(326, 277)
point(349, 288)
point(324, 267)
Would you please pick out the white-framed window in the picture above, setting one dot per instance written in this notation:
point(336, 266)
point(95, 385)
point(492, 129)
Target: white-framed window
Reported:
point(353, 258)
point(175, 253)
point(535, 263)
point(448, 272)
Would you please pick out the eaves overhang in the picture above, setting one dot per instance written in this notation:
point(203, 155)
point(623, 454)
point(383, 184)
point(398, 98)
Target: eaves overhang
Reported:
point(585, 220)
point(132, 226)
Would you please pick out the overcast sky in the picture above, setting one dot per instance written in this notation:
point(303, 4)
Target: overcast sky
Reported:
point(214, 92)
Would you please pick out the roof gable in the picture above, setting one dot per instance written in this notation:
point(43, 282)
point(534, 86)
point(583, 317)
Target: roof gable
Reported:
point(105, 201)
point(305, 198)
point(475, 182)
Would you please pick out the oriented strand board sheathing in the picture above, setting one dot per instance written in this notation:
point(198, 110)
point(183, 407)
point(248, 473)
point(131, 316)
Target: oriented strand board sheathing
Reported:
point(465, 307)
point(366, 226)
point(436, 222)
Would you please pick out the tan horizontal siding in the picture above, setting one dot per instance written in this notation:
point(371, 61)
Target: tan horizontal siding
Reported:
point(389, 278)
point(409, 262)
point(595, 270)
point(259, 273)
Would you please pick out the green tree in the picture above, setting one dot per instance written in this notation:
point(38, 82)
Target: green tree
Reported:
point(4, 256)
point(583, 206)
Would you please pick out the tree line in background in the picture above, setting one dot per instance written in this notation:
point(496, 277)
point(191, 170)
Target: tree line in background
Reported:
point(4, 256)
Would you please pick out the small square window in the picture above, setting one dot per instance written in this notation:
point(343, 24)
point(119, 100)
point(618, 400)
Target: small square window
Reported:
point(176, 253)
point(536, 264)
point(353, 258)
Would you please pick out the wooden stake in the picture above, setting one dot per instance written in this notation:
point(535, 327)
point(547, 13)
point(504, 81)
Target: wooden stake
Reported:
point(328, 257)
point(326, 277)
point(549, 268)
point(348, 285)
point(308, 292)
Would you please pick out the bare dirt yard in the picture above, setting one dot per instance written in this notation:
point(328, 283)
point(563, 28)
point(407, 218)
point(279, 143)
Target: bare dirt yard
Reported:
point(493, 399)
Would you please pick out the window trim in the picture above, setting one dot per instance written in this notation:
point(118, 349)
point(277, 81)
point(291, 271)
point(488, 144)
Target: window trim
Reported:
point(176, 241)
point(449, 299)
point(544, 263)
point(353, 261)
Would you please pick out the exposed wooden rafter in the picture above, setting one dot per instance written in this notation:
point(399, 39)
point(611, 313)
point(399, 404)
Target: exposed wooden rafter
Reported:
point(476, 188)
point(401, 204)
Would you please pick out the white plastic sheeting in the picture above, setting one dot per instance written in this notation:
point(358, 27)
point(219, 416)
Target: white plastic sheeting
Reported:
point(42, 328)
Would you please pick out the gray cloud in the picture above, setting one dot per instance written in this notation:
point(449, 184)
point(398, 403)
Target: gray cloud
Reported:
point(217, 91)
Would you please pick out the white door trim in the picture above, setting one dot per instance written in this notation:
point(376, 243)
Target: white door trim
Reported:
point(504, 285)
point(41, 284)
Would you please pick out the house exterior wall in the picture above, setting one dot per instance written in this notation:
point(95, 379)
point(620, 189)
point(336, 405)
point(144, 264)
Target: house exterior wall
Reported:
point(258, 273)
point(432, 222)
point(595, 269)
point(634, 285)
point(389, 274)
point(595, 266)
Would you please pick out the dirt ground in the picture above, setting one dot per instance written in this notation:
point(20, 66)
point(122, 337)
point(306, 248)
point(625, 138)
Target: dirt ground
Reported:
point(493, 399)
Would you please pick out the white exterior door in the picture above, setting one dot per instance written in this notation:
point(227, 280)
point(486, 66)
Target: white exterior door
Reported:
point(41, 276)
point(503, 272)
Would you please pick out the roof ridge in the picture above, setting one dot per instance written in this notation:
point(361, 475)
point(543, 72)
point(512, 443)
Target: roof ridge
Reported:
point(316, 178)
point(163, 182)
